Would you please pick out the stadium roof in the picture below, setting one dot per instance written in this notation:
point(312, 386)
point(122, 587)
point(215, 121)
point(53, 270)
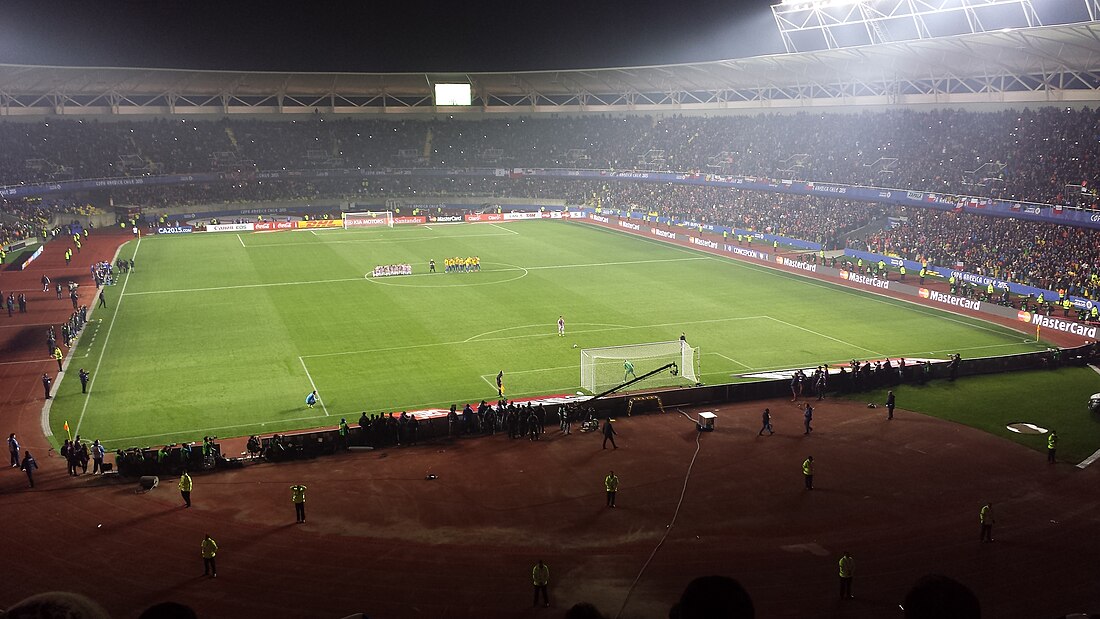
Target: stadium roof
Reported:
point(1042, 65)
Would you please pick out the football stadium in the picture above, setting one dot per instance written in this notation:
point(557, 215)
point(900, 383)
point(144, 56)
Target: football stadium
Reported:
point(510, 333)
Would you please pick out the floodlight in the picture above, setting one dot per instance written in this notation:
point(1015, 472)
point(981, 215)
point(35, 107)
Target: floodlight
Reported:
point(844, 23)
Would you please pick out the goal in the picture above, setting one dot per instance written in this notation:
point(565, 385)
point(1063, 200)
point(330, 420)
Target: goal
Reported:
point(368, 219)
point(603, 368)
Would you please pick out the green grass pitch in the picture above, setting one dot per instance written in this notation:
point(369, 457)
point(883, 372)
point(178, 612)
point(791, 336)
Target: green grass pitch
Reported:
point(226, 334)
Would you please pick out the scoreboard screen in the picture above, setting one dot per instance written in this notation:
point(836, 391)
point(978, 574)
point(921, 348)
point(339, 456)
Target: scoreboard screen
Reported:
point(453, 94)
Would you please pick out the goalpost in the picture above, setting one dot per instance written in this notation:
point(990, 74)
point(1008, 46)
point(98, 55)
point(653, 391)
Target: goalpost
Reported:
point(368, 219)
point(603, 368)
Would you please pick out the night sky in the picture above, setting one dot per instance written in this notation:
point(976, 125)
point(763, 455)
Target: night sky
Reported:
point(371, 36)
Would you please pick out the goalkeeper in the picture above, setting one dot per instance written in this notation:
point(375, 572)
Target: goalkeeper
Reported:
point(628, 370)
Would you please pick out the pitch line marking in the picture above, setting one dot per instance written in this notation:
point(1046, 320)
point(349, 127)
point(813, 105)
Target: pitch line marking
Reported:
point(218, 429)
point(748, 367)
point(1089, 460)
point(375, 241)
point(260, 424)
point(500, 227)
point(493, 384)
point(828, 337)
point(21, 325)
point(312, 384)
point(596, 324)
point(106, 339)
point(396, 281)
point(356, 279)
point(49, 360)
point(242, 241)
point(242, 286)
point(868, 295)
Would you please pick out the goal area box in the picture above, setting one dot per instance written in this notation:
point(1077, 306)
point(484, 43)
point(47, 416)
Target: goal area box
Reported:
point(603, 368)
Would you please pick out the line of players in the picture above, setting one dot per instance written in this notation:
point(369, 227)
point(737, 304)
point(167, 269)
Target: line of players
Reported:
point(392, 269)
point(458, 265)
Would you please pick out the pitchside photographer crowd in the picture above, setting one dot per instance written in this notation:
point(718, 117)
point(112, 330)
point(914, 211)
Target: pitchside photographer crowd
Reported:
point(1043, 155)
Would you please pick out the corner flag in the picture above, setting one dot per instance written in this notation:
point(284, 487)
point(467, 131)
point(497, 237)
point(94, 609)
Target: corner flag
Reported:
point(67, 430)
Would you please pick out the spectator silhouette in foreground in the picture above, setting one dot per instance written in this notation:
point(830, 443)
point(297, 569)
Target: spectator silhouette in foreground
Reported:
point(713, 597)
point(57, 604)
point(938, 597)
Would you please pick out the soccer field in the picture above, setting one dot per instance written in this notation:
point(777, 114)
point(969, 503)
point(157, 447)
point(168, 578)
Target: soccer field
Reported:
point(226, 334)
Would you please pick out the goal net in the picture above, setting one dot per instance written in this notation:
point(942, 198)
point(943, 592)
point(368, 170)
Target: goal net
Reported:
point(603, 368)
point(368, 219)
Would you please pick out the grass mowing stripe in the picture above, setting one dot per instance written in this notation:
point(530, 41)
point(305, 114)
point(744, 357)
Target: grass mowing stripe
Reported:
point(106, 339)
point(518, 337)
point(355, 279)
point(828, 337)
point(410, 239)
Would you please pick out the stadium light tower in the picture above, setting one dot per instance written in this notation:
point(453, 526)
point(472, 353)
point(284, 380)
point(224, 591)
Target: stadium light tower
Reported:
point(810, 25)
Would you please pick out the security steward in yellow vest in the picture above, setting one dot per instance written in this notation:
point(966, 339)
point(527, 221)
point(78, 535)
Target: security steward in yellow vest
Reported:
point(298, 497)
point(185, 488)
point(209, 550)
point(808, 472)
point(985, 517)
point(1052, 444)
point(540, 578)
point(611, 484)
point(845, 569)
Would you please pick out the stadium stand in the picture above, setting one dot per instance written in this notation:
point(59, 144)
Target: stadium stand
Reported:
point(1043, 155)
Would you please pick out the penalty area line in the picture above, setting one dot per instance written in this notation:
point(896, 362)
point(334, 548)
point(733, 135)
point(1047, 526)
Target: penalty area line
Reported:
point(500, 227)
point(314, 385)
point(718, 354)
point(1089, 460)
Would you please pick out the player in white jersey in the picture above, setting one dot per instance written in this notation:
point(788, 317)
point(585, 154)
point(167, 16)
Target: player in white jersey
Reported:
point(561, 326)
